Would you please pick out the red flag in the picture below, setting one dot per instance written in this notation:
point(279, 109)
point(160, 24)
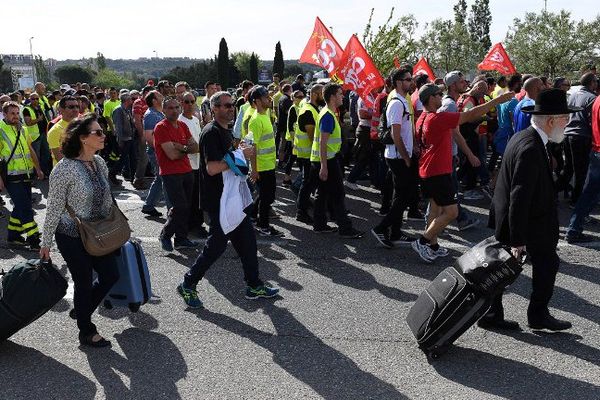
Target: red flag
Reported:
point(497, 59)
point(358, 71)
point(322, 49)
point(422, 67)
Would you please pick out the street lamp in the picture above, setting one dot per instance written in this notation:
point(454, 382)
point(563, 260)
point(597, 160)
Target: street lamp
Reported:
point(155, 54)
point(32, 60)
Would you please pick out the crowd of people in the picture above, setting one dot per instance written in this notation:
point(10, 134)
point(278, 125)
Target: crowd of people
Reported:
point(441, 141)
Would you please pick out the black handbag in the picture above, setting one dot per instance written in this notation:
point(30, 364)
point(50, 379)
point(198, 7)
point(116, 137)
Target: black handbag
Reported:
point(489, 267)
point(4, 163)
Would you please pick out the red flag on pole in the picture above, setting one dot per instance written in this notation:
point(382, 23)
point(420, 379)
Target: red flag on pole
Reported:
point(358, 71)
point(422, 67)
point(497, 59)
point(322, 49)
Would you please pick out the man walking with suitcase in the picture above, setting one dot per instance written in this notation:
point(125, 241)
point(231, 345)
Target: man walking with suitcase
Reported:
point(524, 207)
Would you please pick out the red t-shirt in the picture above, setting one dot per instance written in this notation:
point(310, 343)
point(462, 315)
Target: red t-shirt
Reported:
point(434, 135)
point(165, 132)
point(596, 125)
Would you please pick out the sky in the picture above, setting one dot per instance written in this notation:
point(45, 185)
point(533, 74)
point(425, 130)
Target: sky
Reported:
point(193, 28)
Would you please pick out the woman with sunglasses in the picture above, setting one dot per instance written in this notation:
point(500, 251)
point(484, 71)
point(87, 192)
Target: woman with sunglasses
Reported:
point(80, 181)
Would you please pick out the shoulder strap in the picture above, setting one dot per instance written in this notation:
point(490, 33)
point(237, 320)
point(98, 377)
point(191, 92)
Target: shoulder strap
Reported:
point(12, 153)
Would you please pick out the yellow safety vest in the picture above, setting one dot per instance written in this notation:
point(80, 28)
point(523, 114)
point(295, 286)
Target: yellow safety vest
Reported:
point(248, 113)
point(264, 138)
point(21, 162)
point(302, 143)
point(334, 144)
point(33, 130)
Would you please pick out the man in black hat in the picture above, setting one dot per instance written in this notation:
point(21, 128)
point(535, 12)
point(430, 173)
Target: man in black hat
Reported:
point(524, 207)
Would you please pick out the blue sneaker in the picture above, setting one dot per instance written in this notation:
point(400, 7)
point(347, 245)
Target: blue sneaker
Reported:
point(263, 291)
point(190, 296)
point(166, 244)
point(185, 244)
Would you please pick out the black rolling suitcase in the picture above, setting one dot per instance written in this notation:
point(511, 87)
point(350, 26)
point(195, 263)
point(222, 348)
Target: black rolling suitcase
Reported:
point(27, 292)
point(461, 295)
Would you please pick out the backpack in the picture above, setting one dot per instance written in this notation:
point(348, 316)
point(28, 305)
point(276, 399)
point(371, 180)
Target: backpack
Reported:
point(383, 130)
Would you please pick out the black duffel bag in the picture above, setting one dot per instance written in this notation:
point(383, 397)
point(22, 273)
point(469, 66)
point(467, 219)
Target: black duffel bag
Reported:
point(489, 267)
point(27, 292)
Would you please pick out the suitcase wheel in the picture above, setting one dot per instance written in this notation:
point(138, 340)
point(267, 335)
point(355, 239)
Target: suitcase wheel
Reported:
point(108, 305)
point(134, 307)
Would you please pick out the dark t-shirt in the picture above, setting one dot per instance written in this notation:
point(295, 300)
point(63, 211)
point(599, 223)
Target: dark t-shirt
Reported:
point(42, 125)
point(215, 141)
point(307, 119)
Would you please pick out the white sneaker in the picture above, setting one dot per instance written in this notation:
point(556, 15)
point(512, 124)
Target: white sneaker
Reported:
point(441, 252)
point(350, 185)
point(424, 251)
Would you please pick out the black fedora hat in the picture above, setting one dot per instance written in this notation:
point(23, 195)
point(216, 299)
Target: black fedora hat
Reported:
point(551, 102)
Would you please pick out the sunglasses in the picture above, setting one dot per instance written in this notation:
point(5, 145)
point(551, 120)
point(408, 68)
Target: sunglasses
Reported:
point(226, 105)
point(189, 101)
point(98, 132)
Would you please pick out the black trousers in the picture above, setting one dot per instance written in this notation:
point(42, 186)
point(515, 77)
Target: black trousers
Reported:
point(405, 192)
point(290, 158)
point(545, 263)
point(306, 187)
point(179, 189)
point(577, 156)
point(330, 191)
point(87, 295)
point(243, 240)
point(196, 214)
point(266, 196)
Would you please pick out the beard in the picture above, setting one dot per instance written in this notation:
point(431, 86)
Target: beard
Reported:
point(557, 135)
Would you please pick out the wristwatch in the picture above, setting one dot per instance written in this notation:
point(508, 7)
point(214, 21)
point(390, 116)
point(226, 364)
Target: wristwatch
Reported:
point(185, 149)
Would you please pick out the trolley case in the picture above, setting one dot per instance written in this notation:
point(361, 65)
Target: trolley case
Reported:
point(27, 292)
point(133, 288)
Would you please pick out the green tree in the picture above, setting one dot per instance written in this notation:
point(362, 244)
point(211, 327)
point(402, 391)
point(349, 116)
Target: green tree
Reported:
point(460, 12)
point(552, 44)
point(395, 38)
point(73, 74)
point(41, 72)
point(278, 63)
point(480, 19)
point(223, 64)
point(241, 60)
point(447, 46)
point(109, 78)
point(253, 65)
point(291, 71)
point(6, 84)
point(100, 61)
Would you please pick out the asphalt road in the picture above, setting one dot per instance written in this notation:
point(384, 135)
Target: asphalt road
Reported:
point(337, 331)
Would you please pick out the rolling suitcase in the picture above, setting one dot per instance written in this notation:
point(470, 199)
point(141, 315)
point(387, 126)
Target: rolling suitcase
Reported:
point(459, 296)
point(133, 288)
point(27, 292)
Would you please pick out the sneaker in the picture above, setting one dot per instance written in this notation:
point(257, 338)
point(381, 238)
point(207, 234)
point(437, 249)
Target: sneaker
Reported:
point(575, 238)
point(269, 231)
point(415, 215)
point(467, 223)
point(263, 291)
point(472, 195)
point(185, 244)
point(402, 239)
point(424, 251)
point(487, 190)
point(382, 238)
point(440, 252)
point(351, 185)
point(166, 244)
point(326, 229)
point(351, 234)
point(151, 212)
point(304, 218)
point(190, 296)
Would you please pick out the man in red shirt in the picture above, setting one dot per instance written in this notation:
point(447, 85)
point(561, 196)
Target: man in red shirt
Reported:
point(139, 108)
point(172, 143)
point(434, 133)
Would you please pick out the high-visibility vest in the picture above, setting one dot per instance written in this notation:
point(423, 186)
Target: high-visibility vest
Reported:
point(21, 162)
point(33, 130)
point(264, 139)
point(248, 113)
point(334, 144)
point(44, 103)
point(302, 143)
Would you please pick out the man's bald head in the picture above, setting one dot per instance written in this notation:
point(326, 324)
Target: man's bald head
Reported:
point(533, 86)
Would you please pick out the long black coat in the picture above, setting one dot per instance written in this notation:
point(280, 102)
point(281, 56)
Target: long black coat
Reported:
point(524, 200)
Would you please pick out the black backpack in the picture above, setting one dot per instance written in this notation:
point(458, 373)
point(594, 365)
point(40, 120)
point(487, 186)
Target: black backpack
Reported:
point(384, 131)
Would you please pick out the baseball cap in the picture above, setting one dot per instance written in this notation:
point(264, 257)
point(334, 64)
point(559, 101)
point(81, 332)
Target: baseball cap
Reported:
point(452, 77)
point(428, 90)
point(257, 92)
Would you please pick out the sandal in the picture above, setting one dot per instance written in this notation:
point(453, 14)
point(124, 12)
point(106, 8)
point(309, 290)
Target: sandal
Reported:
point(88, 341)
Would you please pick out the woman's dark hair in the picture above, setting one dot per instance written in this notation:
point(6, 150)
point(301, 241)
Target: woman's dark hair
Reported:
point(71, 147)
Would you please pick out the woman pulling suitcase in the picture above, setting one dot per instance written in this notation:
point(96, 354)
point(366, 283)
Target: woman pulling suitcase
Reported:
point(80, 181)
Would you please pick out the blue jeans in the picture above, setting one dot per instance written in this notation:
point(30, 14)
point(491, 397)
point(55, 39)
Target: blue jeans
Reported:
point(156, 189)
point(590, 195)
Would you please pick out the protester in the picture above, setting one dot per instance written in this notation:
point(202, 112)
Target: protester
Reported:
point(205, 110)
point(126, 135)
point(139, 108)
point(68, 107)
point(80, 182)
point(532, 87)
